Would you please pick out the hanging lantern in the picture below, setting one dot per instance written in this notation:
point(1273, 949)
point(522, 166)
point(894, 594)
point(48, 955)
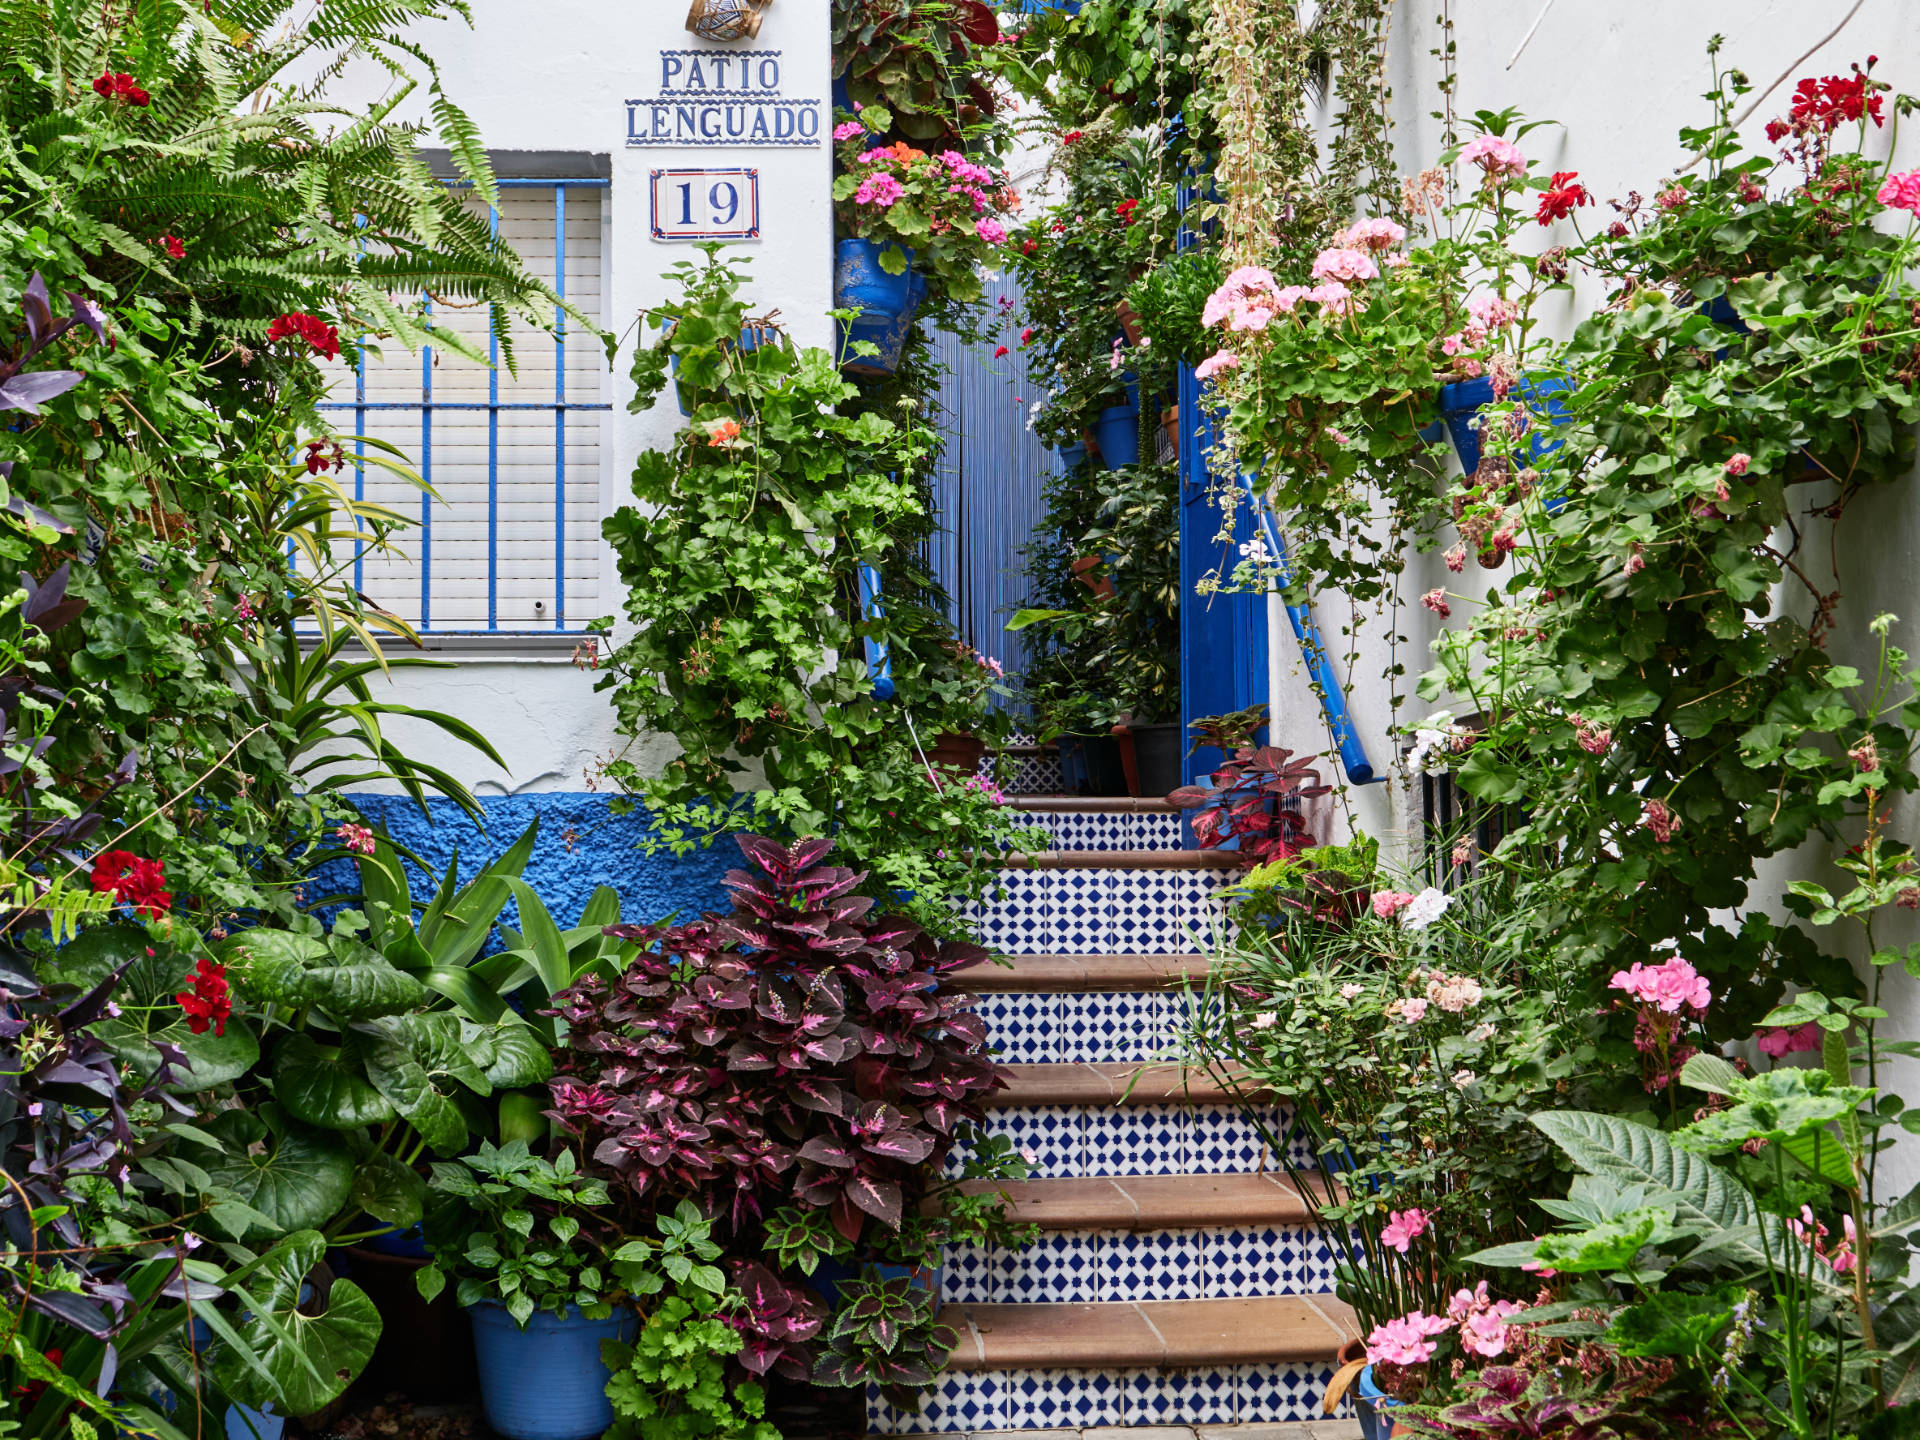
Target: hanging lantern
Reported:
point(726, 19)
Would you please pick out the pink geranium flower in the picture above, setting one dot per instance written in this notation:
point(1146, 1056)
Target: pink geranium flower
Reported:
point(1782, 1041)
point(848, 130)
point(1341, 262)
point(879, 189)
point(1389, 903)
point(1495, 156)
point(1404, 1341)
point(1901, 192)
point(1374, 234)
point(1215, 363)
point(1403, 1227)
point(991, 231)
point(1671, 987)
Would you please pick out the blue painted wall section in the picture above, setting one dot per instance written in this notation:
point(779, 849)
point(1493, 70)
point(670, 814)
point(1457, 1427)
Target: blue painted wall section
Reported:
point(581, 846)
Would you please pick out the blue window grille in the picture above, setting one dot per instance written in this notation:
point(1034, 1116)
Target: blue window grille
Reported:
point(510, 524)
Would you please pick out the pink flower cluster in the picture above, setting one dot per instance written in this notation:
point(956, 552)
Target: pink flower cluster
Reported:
point(991, 231)
point(1901, 192)
point(1404, 1341)
point(1454, 994)
point(1403, 1227)
point(1248, 299)
point(1340, 262)
point(1669, 987)
point(1781, 1041)
point(1842, 1258)
point(1215, 363)
point(879, 189)
point(847, 130)
point(1376, 234)
point(1482, 1320)
point(1495, 156)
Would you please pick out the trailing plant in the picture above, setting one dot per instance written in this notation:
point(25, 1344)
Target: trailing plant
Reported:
point(742, 563)
point(940, 213)
point(1662, 712)
point(928, 68)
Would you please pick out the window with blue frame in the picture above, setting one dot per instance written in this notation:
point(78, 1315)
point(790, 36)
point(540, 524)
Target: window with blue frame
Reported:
point(512, 545)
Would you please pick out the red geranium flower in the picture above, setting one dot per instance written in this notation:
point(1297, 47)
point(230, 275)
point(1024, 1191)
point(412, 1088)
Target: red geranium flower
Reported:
point(175, 250)
point(1823, 103)
point(1028, 247)
point(1001, 351)
point(133, 881)
point(1071, 136)
point(210, 1002)
point(1562, 197)
point(322, 337)
point(112, 86)
point(1125, 210)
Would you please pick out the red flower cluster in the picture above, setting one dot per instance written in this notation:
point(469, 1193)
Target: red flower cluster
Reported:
point(1001, 351)
point(120, 87)
point(210, 1002)
point(133, 881)
point(1028, 247)
point(1071, 136)
point(1562, 197)
point(318, 459)
point(1822, 104)
point(324, 339)
point(1125, 210)
point(171, 244)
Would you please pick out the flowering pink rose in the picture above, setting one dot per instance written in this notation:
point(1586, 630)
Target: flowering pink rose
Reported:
point(1412, 1012)
point(1495, 156)
point(1404, 1341)
point(1901, 192)
point(1215, 363)
point(1782, 1041)
point(879, 189)
point(1389, 903)
point(1339, 262)
point(1669, 987)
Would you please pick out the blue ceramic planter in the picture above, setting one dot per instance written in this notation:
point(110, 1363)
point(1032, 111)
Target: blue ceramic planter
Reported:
point(1374, 1406)
point(886, 304)
point(752, 337)
point(1117, 433)
point(1072, 456)
point(411, 1243)
point(1460, 407)
point(546, 1382)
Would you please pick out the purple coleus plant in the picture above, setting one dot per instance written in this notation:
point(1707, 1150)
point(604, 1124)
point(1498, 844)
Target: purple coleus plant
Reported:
point(801, 1048)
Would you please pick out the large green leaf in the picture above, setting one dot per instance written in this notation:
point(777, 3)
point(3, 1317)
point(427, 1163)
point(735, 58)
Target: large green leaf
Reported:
point(312, 1357)
point(326, 1085)
point(150, 1014)
point(364, 990)
point(519, 1057)
point(1705, 1198)
point(389, 1190)
point(550, 960)
point(414, 1060)
point(302, 1179)
point(270, 966)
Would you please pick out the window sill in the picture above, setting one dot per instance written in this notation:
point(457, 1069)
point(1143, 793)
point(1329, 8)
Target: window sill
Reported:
point(549, 647)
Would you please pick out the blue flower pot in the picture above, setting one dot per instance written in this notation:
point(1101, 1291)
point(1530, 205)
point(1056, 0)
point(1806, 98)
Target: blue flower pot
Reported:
point(752, 337)
point(1372, 1405)
point(1072, 456)
point(1117, 433)
point(546, 1382)
point(1460, 407)
point(886, 304)
point(410, 1243)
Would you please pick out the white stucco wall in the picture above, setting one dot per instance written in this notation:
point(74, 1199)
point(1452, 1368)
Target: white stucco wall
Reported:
point(554, 77)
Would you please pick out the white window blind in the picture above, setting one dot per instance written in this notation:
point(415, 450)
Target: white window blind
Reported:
point(513, 543)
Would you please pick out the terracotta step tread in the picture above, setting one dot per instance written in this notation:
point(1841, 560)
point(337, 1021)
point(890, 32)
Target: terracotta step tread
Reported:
point(1095, 804)
point(1252, 1430)
point(1144, 1334)
point(1111, 1083)
point(1126, 860)
point(1159, 1202)
point(1031, 973)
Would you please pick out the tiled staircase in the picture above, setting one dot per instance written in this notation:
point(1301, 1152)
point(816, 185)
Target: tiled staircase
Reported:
point(1178, 1279)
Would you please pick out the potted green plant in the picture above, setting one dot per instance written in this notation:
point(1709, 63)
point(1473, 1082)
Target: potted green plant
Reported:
point(543, 1270)
point(912, 226)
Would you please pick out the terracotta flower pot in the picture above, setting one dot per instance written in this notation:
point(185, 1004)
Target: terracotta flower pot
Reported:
point(1170, 425)
point(1129, 322)
point(952, 751)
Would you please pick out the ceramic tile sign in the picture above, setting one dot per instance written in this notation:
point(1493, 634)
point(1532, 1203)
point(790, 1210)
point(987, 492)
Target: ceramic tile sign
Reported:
point(708, 204)
point(730, 98)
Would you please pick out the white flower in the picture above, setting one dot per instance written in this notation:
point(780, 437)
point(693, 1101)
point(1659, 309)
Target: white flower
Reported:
point(1426, 907)
point(1265, 1020)
point(1256, 550)
point(1462, 1079)
point(1351, 991)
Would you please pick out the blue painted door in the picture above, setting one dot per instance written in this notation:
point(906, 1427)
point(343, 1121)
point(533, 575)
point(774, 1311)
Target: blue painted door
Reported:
point(1223, 638)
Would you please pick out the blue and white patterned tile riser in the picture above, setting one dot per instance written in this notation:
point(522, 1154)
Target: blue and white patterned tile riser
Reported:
point(1076, 1267)
point(1060, 1029)
point(1063, 1140)
point(1079, 1399)
point(1108, 830)
point(1090, 911)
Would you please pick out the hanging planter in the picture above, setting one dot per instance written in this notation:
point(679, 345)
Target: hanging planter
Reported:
point(1461, 404)
point(886, 304)
point(753, 335)
point(546, 1382)
point(1129, 322)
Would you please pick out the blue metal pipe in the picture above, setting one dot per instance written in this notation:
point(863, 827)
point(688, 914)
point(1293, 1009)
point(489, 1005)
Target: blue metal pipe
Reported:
point(1333, 699)
point(879, 662)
